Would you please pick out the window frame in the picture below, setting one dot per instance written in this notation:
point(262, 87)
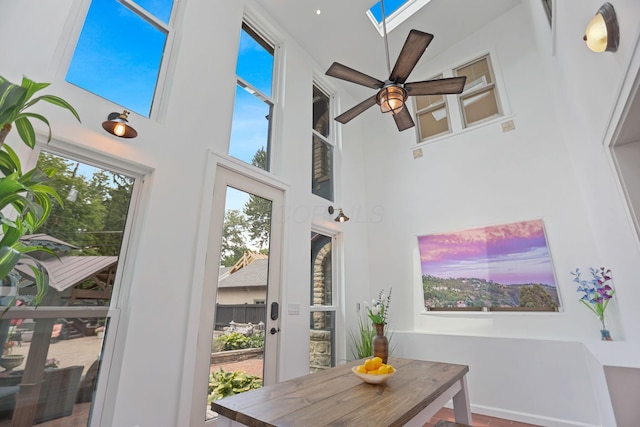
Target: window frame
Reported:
point(456, 109)
point(265, 39)
point(158, 106)
point(338, 334)
point(429, 109)
point(329, 140)
point(114, 342)
point(471, 92)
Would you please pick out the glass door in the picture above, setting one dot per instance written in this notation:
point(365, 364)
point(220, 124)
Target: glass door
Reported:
point(244, 334)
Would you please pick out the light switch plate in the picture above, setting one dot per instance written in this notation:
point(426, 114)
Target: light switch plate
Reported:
point(293, 309)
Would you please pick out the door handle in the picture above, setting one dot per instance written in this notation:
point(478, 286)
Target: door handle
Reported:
point(274, 331)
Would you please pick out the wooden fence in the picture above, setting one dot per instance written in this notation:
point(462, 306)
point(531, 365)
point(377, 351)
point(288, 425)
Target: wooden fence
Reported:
point(239, 313)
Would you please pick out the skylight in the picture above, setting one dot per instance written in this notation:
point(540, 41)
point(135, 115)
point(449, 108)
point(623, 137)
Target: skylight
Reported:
point(396, 12)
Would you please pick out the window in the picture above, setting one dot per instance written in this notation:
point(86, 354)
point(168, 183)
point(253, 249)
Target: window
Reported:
point(323, 305)
point(120, 51)
point(322, 161)
point(253, 107)
point(478, 102)
point(79, 308)
point(433, 115)
point(395, 11)
point(479, 99)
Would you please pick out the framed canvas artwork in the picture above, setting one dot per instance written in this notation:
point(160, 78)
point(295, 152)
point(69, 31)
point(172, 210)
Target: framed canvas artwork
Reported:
point(496, 268)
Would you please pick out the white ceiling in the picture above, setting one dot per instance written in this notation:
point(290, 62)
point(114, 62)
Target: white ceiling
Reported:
point(344, 33)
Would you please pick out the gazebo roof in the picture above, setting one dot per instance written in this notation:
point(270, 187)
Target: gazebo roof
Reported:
point(68, 271)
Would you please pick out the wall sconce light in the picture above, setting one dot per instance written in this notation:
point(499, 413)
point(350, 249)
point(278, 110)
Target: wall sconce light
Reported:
point(118, 125)
point(603, 33)
point(341, 216)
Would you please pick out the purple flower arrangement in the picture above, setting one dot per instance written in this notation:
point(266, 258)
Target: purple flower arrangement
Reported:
point(597, 292)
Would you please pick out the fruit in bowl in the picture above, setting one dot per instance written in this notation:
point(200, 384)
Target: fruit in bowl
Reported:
point(373, 371)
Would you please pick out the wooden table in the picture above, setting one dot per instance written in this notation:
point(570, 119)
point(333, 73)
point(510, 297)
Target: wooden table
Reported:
point(336, 397)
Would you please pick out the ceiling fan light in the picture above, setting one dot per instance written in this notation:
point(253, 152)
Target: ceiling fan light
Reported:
point(391, 99)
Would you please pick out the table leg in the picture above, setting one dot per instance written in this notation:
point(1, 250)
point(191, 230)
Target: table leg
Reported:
point(461, 405)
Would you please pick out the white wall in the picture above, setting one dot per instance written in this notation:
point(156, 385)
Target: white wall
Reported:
point(147, 377)
point(553, 166)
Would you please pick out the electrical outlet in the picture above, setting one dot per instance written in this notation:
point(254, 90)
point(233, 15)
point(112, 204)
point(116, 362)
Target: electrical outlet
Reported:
point(508, 126)
point(417, 153)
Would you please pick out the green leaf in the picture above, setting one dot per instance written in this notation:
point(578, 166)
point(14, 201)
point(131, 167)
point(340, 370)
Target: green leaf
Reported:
point(9, 257)
point(31, 87)
point(56, 100)
point(26, 132)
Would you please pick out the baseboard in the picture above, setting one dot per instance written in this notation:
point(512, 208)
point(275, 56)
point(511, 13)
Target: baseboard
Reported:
point(523, 417)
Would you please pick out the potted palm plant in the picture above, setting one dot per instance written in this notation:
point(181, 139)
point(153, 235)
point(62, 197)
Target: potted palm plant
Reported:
point(26, 192)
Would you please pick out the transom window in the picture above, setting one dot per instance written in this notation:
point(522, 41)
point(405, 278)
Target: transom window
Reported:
point(478, 102)
point(253, 107)
point(433, 115)
point(120, 51)
point(322, 162)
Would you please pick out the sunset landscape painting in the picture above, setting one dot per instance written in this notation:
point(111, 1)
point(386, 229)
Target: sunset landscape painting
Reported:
point(505, 265)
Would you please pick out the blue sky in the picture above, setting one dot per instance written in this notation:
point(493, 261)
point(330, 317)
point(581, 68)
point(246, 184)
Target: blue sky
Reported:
point(390, 6)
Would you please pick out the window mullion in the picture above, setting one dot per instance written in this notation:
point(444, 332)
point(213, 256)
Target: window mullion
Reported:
point(254, 91)
point(144, 14)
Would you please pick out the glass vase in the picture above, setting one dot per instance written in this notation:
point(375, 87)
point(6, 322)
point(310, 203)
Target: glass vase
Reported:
point(380, 343)
point(605, 335)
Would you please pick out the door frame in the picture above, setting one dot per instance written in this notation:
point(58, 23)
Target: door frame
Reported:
point(221, 171)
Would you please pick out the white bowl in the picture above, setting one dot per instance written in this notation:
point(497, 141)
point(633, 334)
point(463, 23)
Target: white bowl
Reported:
point(372, 379)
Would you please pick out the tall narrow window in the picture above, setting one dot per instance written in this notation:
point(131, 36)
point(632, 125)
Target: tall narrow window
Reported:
point(253, 107)
point(433, 115)
point(323, 304)
point(120, 50)
point(322, 152)
point(479, 99)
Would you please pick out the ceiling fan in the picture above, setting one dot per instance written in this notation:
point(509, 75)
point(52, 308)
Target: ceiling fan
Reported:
point(393, 92)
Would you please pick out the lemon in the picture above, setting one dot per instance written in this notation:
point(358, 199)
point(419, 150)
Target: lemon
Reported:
point(361, 369)
point(369, 365)
point(377, 362)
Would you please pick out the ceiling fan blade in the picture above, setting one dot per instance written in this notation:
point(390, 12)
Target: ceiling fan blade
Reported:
point(343, 72)
point(436, 87)
point(358, 109)
point(403, 119)
point(413, 48)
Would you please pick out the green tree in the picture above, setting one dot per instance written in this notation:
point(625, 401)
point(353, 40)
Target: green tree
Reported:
point(258, 210)
point(535, 296)
point(233, 244)
point(117, 201)
point(95, 209)
point(83, 211)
